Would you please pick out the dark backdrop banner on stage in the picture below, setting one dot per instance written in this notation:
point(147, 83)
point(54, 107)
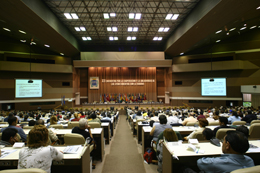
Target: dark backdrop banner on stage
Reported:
point(123, 80)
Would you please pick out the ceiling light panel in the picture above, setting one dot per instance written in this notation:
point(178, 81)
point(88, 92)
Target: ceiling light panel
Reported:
point(67, 15)
point(219, 31)
point(46, 45)
point(252, 27)
point(112, 14)
point(135, 29)
point(109, 29)
point(131, 15)
point(22, 32)
point(169, 16)
point(7, 29)
point(74, 16)
point(130, 29)
point(106, 16)
point(82, 28)
point(161, 30)
point(232, 29)
point(138, 16)
point(114, 29)
point(77, 28)
point(175, 16)
point(243, 28)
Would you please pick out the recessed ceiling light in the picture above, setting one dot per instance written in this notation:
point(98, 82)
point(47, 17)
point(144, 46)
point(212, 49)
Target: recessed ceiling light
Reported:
point(33, 43)
point(166, 29)
point(77, 28)
point(82, 28)
point(227, 33)
point(74, 16)
point(133, 38)
point(252, 27)
point(131, 15)
point(22, 32)
point(130, 29)
point(84, 38)
point(138, 16)
point(219, 31)
point(243, 28)
point(160, 29)
point(169, 16)
point(218, 41)
point(89, 38)
point(46, 45)
point(23, 41)
point(109, 29)
point(159, 38)
point(111, 38)
point(128, 38)
point(106, 16)
point(67, 15)
point(112, 14)
point(245, 24)
point(175, 16)
point(114, 29)
point(115, 38)
point(61, 54)
point(7, 29)
point(182, 53)
point(155, 38)
point(135, 29)
point(258, 8)
point(232, 29)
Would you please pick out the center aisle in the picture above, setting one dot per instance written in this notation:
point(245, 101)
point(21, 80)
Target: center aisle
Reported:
point(124, 156)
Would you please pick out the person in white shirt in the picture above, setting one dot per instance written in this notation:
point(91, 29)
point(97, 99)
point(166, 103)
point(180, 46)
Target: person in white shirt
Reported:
point(172, 119)
point(38, 154)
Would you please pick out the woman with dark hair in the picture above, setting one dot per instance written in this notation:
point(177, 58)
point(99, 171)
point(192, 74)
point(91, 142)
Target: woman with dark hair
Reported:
point(38, 154)
point(159, 128)
point(234, 117)
point(203, 122)
point(208, 134)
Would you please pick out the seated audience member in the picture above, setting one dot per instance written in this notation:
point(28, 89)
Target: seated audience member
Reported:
point(38, 154)
point(94, 118)
point(83, 125)
point(159, 128)
point(31, 123)
point(82, 115)
point(172, 119)
point(53, 121)
point(243, 129)
point(201, 116)
point(189, 119)
point(10, 115)
point(223, 124)
point(52, 136)
point(12, 121)
point(139, 115)
point(154, 116)
point(234, 117)
point(9, 136)
point(234, 147)
point(107, 117)
point(210, 119)
point(208, 134)
point(170, 136)
point(249, 117)
point(58, 116)
point(203, 122)
point(76, 117)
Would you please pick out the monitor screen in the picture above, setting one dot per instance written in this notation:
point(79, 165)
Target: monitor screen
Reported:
point(25, 88)
point(213, 87)
point(247, 104)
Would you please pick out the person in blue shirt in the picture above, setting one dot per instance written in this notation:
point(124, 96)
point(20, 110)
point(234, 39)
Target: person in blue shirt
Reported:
point(10, 115)
point(12, 121)
point(234, 117)
point(234, 146)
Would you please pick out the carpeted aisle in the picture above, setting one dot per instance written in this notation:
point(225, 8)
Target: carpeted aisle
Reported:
point(124, 156)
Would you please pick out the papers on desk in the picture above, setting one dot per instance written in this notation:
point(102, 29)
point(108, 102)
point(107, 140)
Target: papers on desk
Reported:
point(193, 141)
point(254, 150)
point(18, 144)
point(6, 153)
point(72, 149)
point(195, 149)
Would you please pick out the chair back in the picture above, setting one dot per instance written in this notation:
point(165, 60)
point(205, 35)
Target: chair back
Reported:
point(192, 123)
point(252, 169)
point(56, 126)
point(222, 132)
point(72, 124)
point(3, 122)
point(29, 170)
point(214, 123)
point(0, 136)
point(74, 139)
point(28, 127)
point(94, 125)
point(199, 136)
point(239, 123)
point(255, 121)
point(254, 131)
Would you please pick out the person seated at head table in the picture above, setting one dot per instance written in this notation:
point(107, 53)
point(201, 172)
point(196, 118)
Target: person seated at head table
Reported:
point(9, 136)
point(234, 117)
point(208, 134)
point(93, 118)
point(76, 117)
point(189, 119)
point(159, 128)
point(203, 122)
point(52, 136)
point(170, 136)
point(172, 119)
point(223, 124)
point(38, 154)
point(12, 121)
point(234, 147)
point(81, 129)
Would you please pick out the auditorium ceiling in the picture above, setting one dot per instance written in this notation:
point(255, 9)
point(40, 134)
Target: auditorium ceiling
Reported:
point(173, 26)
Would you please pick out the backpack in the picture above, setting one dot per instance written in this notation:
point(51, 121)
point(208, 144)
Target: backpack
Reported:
point(148, 155)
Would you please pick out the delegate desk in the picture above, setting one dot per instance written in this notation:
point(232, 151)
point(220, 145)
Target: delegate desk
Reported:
point(106, 128)
point(79, 162)
point(139, 130)
point(98, 135)
point(185, 156)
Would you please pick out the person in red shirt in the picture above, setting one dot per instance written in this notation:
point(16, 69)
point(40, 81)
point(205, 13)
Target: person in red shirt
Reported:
point(76, 117)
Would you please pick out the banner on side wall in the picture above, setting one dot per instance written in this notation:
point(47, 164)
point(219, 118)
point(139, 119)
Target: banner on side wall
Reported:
point(94, 83)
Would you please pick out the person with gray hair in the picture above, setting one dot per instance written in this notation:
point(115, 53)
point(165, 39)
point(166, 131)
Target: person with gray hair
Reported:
point(83, 125)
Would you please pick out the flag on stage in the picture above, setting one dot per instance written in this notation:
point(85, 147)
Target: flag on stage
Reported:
point(145, 96)
point(105, 99)
point(100, 98)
